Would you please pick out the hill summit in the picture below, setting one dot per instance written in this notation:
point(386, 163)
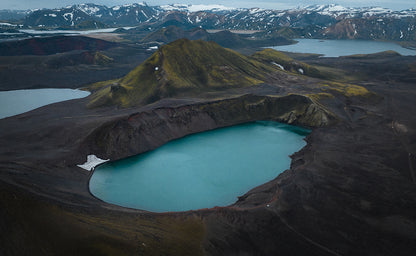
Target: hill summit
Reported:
point(179, 68)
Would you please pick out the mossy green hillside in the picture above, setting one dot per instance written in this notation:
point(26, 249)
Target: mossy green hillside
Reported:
point(200, 64)
point(384, 54)
point(187, 68)
point(183, 66)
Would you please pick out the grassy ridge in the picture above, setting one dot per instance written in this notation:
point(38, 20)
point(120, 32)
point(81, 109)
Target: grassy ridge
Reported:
point(190, 68)
point(182, 66)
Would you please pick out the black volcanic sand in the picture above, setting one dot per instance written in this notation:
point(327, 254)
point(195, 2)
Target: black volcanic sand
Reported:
point(350, 191)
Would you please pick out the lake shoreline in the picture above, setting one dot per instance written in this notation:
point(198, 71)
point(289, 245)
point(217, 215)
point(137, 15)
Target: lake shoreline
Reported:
point(15, 102)
point(352, 175)
point(191, 161)
point(344, 47)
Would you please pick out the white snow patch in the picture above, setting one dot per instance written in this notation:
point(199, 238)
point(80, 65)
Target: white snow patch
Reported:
point(52, 15)
point(7, 24)
point(92, 162)
point(210, 7)
point(255, 10)
point(156, 68)
point(145, 15)
point(151, 48)
point(69, 16)
point(280, 66)
point(91, 10)
point(196, 7)
point(301, 71)
point(336, 8)
point(174, 7)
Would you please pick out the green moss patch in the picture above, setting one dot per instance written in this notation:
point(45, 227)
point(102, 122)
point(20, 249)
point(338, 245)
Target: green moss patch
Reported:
point(348, 90)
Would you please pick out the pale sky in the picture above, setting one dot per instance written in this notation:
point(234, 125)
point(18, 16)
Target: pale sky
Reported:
point(269, 4)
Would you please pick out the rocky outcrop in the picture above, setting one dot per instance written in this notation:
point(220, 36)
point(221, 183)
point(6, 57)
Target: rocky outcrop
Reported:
point(372, 29)
point(147, 130)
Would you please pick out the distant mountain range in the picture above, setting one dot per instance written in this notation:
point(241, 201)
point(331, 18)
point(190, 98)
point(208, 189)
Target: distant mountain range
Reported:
point(317, 21)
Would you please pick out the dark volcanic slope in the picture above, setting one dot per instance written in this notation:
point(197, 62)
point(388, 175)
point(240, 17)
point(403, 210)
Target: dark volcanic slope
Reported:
point(224, 38)
point(350, 191)
point(379, 66)
point(72, 69)
point(52, 45)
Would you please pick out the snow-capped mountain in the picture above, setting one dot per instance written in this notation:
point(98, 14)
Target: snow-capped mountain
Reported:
point(254, 18)
point(338, 11)
point(72, 15)
point(318, 21)
point(12, 15)
point(196, 7)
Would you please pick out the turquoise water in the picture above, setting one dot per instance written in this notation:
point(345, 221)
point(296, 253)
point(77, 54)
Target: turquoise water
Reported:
point(200, 171)
point(336, 48)
point(20, 101)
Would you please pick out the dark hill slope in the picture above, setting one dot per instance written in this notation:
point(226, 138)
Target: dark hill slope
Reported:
point(224, 38)
point(372, 29)
point(52, 45)
point(183, 66)
point(285, 62)
point(173, 33)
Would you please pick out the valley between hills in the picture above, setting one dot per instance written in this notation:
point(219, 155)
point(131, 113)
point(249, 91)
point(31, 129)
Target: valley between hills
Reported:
point(350, 191)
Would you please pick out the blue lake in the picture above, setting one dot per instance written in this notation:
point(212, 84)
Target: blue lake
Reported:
point(20, 101)
point(336, 48)
point(200, 171)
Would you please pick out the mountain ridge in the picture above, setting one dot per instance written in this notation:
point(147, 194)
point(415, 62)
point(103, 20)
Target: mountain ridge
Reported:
point(180, 67)
point(311, 21)
point(195, 69)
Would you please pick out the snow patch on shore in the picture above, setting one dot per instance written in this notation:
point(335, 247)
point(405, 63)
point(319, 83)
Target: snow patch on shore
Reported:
point(92, 162)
